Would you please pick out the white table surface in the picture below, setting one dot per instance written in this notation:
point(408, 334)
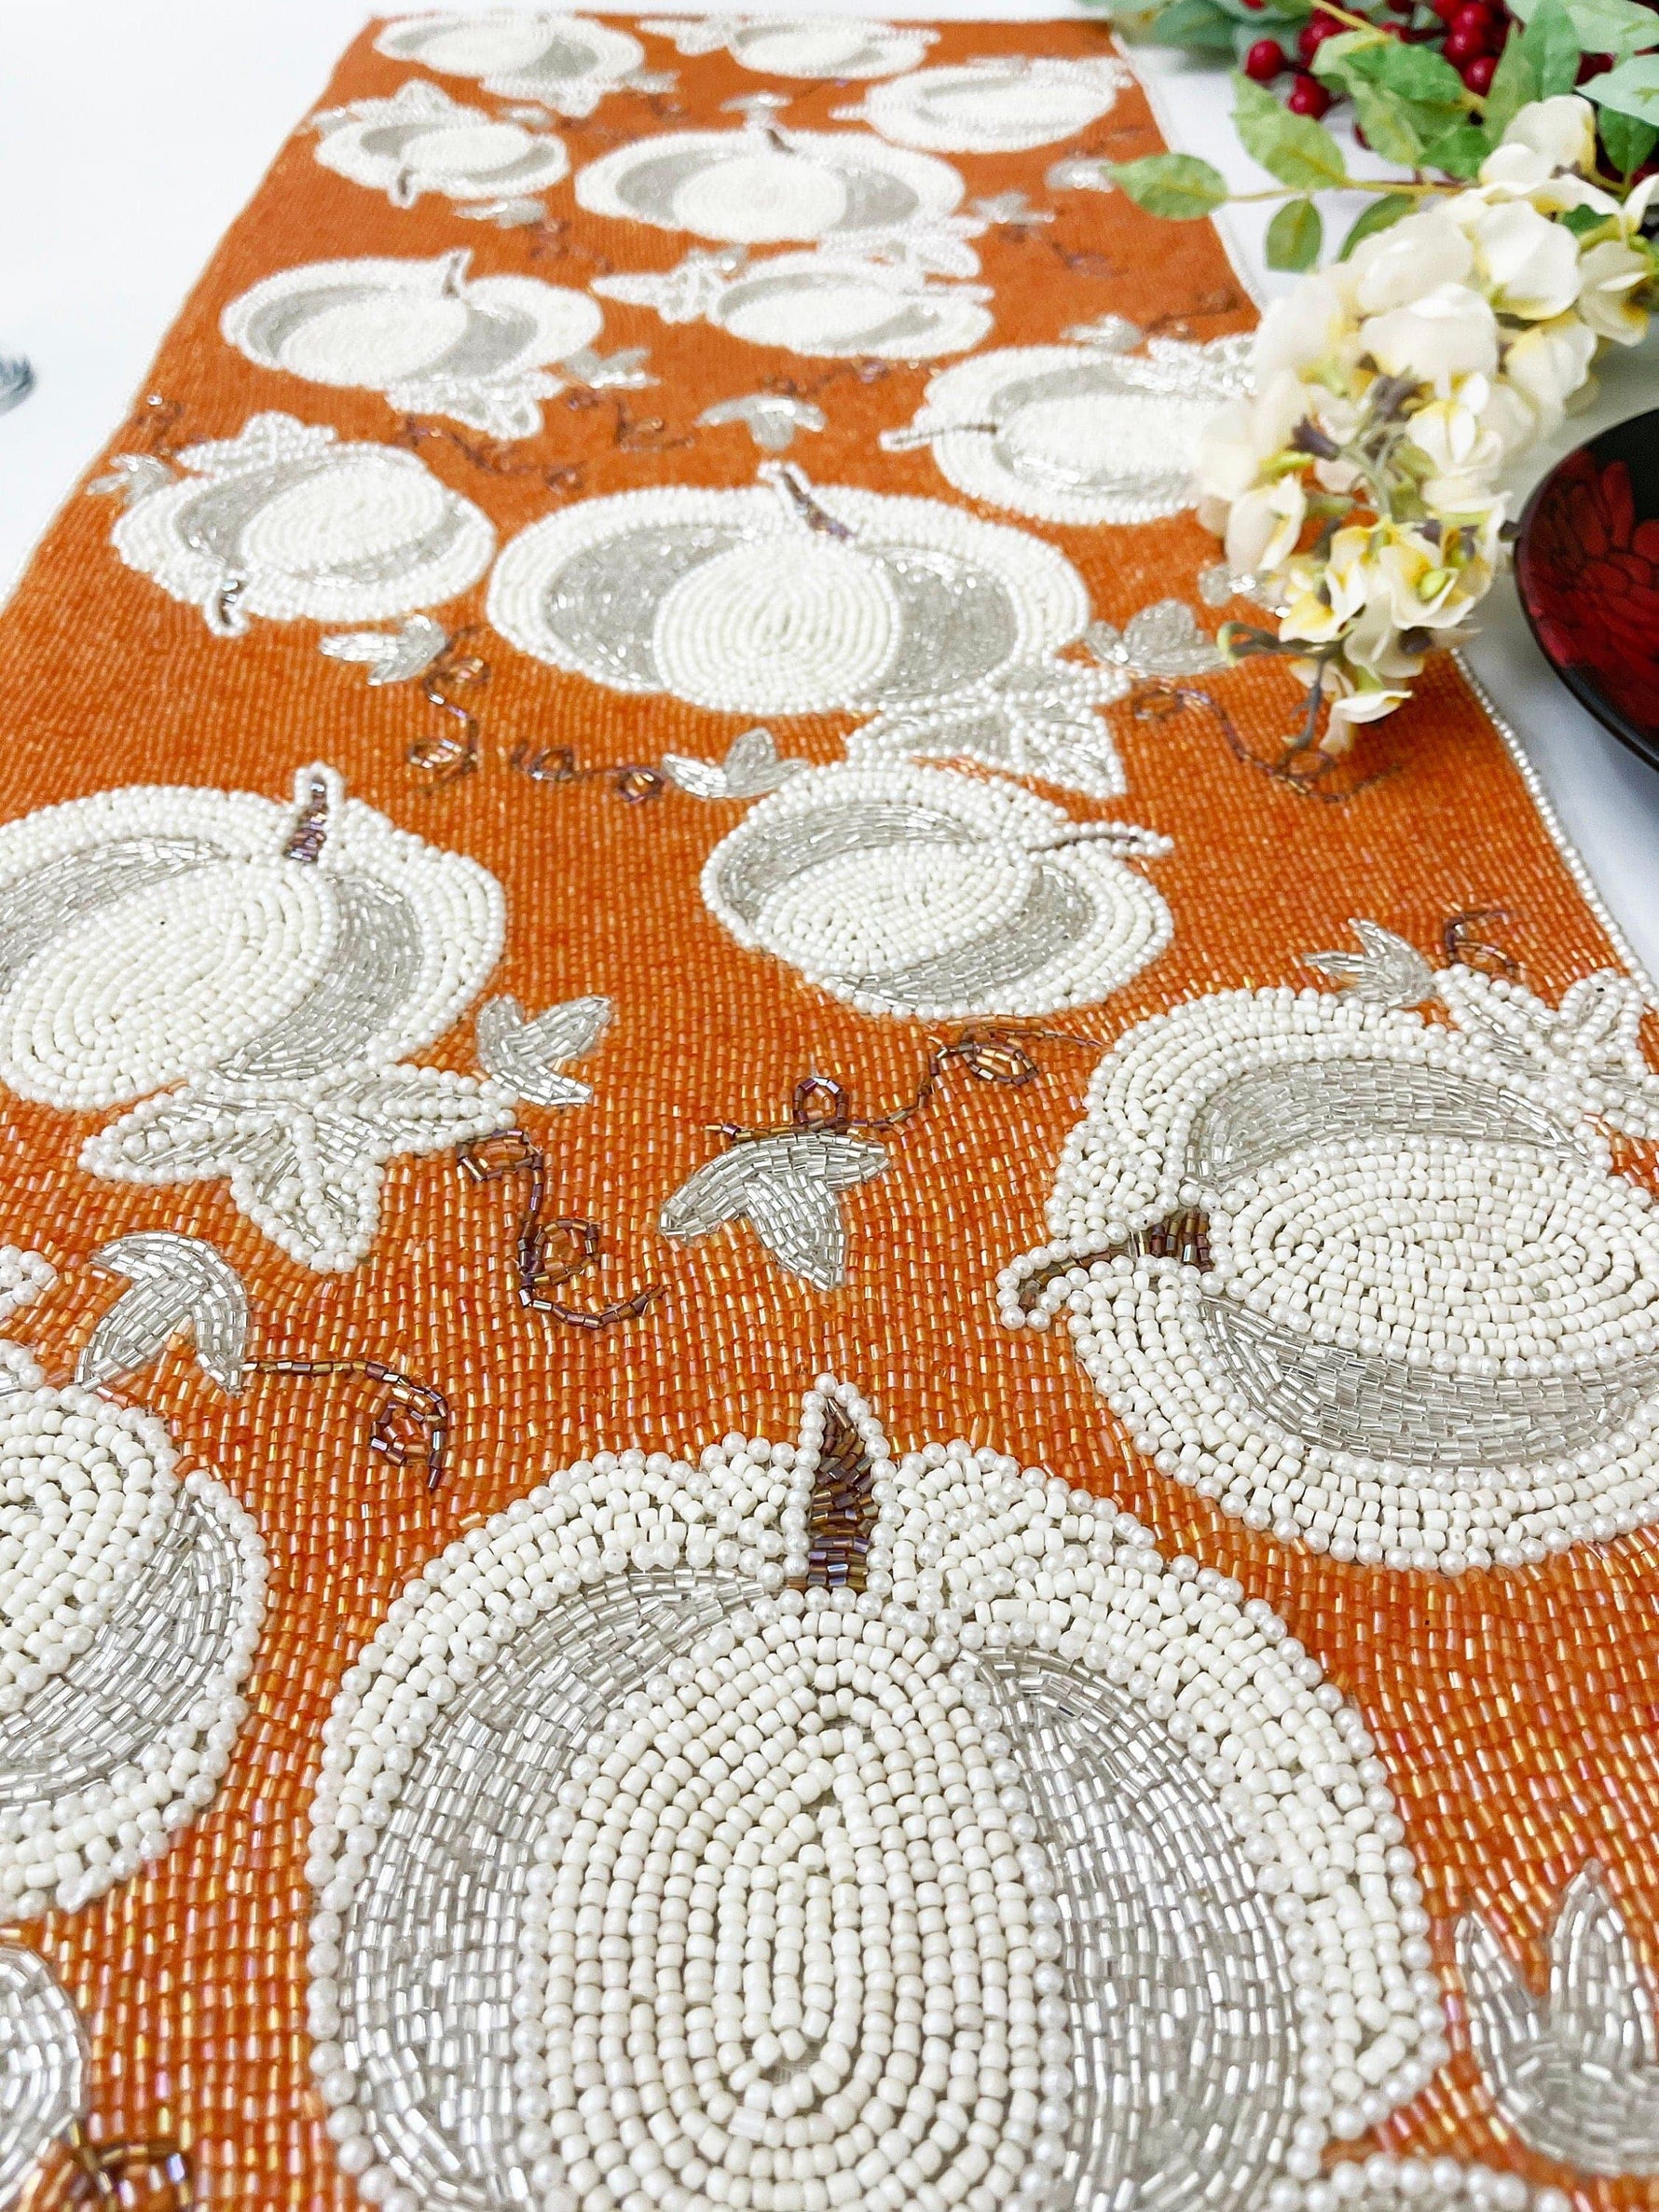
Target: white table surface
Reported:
point(132, 131)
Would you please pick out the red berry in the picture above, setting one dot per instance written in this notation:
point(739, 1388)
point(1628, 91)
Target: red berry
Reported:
point(1593, 65)
point(1308, 96)
point(1473, 21)
point(1265, 60)
point(1446, 9)
point(1313, 33)
point(1460, 48)
point(1478, 73)
point(1401, 7)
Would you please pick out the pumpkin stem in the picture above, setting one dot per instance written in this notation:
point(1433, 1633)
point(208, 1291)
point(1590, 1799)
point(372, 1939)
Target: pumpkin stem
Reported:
point(305, 840)
point(793, 486)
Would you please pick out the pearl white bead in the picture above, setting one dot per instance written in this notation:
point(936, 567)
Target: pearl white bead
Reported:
point(92, 1510)
point(1448, 1268)
point(800, 1858)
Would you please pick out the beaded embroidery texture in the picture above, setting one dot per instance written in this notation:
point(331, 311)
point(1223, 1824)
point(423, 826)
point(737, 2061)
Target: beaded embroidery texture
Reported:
point(1227, 1775)
point(432, 339)
point(1422, 1332)
point(845, 1904)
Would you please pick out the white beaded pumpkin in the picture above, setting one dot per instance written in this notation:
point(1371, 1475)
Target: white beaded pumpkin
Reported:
point(1428, 1333)
point(130, 1603)
point(42, 2065)
point(421, 140)
point(760, 186)
point(285, 521)
point(824, 303)
point(564, 61)
point(1078, 433)
point(434, 340)
point(785, 598)
point(156, 934)
point(999, 103)
point(840, 46)
point(275, 963)
point(641, 1877)
point(921, 892)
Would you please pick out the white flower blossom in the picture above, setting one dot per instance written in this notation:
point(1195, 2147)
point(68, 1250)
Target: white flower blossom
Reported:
point(1304, 330)
point(1397, 265)
point(1394, 391)
point(1246, 432)
point(1264, 526)
point(1609, 275)
point(1449, 332)
point(1562, 130)
point(1548, 363)
point(1527, 265)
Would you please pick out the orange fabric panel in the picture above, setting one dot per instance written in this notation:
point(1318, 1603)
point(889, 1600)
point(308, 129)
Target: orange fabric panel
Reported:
point(1516, 1713)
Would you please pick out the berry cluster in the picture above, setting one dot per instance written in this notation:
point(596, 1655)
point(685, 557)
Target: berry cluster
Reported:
point(1470, 34)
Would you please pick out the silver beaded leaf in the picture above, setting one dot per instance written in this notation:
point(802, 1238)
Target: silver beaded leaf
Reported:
point(788, 1189)
point(178, 1285)
point(1387, 972)
point(43, 2064)
point(1576, 2071)
point(752, 768)
point(524, 1056)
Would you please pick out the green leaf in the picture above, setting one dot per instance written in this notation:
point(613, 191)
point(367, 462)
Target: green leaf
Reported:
point(1418, 73)
point(1616, 27)
point(1196, 26)
point(1295, 149)
point(1581, 221)
point(1461, 152)
point(1273, 15)
point(1628, 140)
point(1390, 128)
point(1382, 214)
point(1630, 89)
point(1295, 236)
point(1551, 44)
point(1513, 86)
point(1405, 97)
point(1178, 186)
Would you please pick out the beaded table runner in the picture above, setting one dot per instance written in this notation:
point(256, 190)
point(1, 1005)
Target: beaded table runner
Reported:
point(630, 885)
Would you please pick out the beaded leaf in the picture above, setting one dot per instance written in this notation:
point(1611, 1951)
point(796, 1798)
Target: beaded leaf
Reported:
point(395, 656)
point(1388, 972)
point(1575, 2071)
point(43, 2065)
point(305, 1161)
point(788, 1189)
point(524, 1056)
point(178, 1284)
point(752, 768)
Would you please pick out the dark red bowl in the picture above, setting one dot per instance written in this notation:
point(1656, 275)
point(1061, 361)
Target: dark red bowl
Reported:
point(1587, 570)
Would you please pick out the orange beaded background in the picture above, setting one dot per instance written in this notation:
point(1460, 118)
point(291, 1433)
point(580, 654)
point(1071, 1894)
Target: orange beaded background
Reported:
point(1516, 1711)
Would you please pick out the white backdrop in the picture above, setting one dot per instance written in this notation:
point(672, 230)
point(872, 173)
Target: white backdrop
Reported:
point(132, 131)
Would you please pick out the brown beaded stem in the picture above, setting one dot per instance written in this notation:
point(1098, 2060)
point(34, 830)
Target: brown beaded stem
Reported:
point(102, 2173)
point(843, 1510)
point(563, 480)
point(1464, 948)
point(1297, 767)
point(1182, 1234)
point(412, 1417)
point(447, 755)
point(996, 1055)
point(310, 833)
point(631, 780)
point(511, 1151)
